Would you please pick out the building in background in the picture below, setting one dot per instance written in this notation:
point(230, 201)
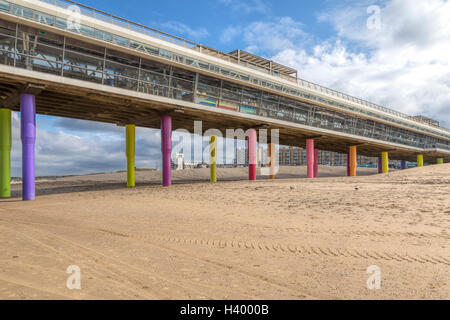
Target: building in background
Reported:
point(294, 156)
point(287, 156)
point(291, 156)
point(262, 156)
point(241, 157)
point(179, 161)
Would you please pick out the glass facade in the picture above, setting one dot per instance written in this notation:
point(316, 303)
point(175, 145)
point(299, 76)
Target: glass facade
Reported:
point(38, 50)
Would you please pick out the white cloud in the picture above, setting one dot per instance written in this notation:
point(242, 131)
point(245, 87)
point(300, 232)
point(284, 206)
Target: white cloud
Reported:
point(268, 36)
point(230, 33)
point(249, 6)
point(184, 30)
point(404, 65)
point(66, 150)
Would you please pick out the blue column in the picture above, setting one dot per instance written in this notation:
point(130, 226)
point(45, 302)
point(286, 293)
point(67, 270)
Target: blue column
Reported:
point(403, 165)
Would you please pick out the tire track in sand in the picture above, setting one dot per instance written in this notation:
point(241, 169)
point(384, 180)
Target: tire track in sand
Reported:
point(110, 269)
point(289, 248)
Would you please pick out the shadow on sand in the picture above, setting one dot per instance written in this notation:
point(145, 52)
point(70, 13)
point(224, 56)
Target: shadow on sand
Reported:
point(59, 186)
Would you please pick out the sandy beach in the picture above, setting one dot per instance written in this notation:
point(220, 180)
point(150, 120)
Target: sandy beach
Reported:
point(291, 238)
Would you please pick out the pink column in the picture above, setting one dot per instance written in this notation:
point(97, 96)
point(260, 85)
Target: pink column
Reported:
point(316, 163)
point(252, 154)
point(348, 164)
point(310, 157)
point(166, 148)
point(380, 165)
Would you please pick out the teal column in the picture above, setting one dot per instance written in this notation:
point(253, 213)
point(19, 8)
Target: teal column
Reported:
point(5, 153)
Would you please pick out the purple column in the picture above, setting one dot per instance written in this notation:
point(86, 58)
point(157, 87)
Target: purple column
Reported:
point(380, 165)
point(28, 136)
point(316, 163)
point(310, 158)
point(403, 164)
point(166, 148)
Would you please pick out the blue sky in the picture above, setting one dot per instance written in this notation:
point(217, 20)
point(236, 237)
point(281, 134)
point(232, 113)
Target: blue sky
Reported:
point(207, 20)
point(403, 63)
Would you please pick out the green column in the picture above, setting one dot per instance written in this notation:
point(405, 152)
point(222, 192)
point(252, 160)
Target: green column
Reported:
point(130, 146)
point(440, 161)
point(5, 153)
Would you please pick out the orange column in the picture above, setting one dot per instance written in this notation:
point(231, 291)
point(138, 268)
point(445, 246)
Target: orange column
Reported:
point(353, 161)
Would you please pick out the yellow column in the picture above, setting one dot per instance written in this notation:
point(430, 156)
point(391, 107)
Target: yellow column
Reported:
point(440, 161)
point(420, 160)
point(130, 140)
point(213, 158)
point(385, 162)
point(353, 161)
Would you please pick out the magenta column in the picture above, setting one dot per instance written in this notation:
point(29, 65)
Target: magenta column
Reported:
point(310, 158)
point(380, 165)
point(316, 163)
point(28, 136)
point(252, 154)
point(166, 148)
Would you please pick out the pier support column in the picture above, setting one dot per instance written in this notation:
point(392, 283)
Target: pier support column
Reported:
point(130, 146)
point(213, 158)
point(272, 160)
point(353, 161)
point(348, 164)
point(252, 154)
point(420, 160)
point(316, 163)
point(28, 136)
point(166, 148)
point(380, 165)
point(5, 153)
point(385, 162)
point(403, 164)
point(310, 158)
point(440, 161)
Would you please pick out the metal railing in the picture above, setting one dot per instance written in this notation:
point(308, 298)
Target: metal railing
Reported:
point(133, 26)
point(36, 53)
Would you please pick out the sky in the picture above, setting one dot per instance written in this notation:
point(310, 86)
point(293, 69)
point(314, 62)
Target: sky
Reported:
point(391, 52)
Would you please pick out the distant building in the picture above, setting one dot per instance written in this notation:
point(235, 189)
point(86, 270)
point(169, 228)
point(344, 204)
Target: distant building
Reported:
point(291, 156)
point(179, 161)
point(294, 156)
point(287, 156)
point(262, 157)
point(241, 157)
